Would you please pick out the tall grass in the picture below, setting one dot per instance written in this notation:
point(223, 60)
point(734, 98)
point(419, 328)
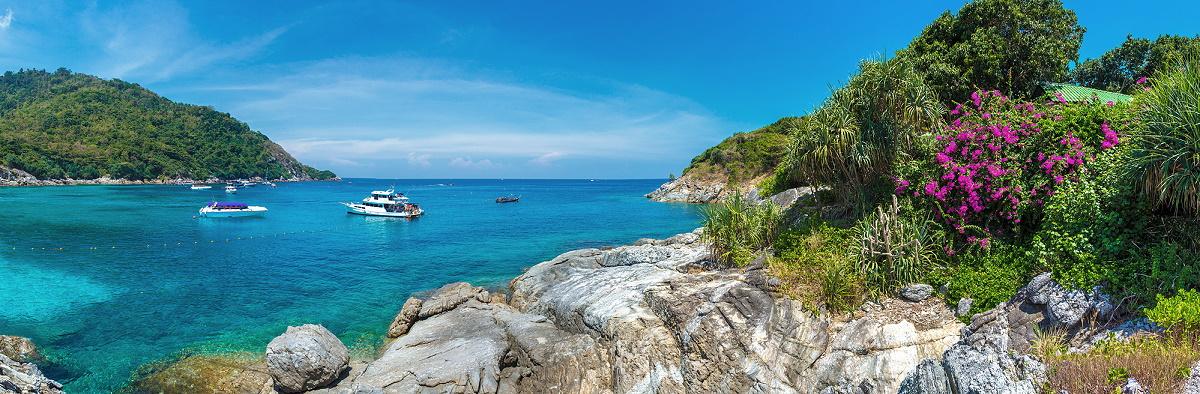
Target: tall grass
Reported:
point(1166, 154)
point(895, 250)
point(737, 228)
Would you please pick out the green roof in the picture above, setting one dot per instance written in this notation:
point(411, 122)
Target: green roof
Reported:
point(1073, 93)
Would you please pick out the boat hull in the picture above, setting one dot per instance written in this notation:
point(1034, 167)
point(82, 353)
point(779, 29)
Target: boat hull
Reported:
point(370, 211)
point(233, 213)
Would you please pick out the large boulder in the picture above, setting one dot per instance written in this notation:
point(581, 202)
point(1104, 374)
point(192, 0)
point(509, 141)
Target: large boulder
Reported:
point(450, 296)
point(305, 358)
point(18, 349)
point(405, 318)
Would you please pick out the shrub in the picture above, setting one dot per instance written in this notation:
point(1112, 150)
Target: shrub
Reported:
point(736, 228)
point(1179, 313)
point(813, 265)
point(996, 166)
point(1159, 363)
point(987, 276)
point(1166, 154)
point(894, 249)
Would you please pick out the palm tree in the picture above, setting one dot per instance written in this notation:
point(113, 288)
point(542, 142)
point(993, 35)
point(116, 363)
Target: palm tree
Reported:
point(853, 139)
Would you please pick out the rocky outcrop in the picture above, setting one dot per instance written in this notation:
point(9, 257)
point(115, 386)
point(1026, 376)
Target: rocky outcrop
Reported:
point(647, 318)
point(305, 358)
point(18, 373)
point(13, 177)
point(992, 356)
point(691, 189)
point(404, 320)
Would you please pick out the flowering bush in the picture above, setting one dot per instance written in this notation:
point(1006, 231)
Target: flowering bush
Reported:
point(997, 163)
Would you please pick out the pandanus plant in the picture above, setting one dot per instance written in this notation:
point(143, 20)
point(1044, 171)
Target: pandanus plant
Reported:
point(1166, 152)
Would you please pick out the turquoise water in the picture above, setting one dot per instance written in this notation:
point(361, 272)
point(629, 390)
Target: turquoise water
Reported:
point(138, 278)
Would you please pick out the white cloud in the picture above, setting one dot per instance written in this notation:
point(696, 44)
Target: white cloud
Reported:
point(466, 162)
point(547, 159)
point(421, 160)
point(6, 20)
point(374, 108)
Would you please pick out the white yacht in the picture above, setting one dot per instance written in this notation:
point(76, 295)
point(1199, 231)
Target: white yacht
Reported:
point(201, 187)
point(226, 209)
point(385, 203)
point(230, 189)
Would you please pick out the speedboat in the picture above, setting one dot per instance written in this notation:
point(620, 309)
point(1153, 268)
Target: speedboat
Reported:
point(230, 189)
point(385, 203)
point(201, 187)
point(226, 209)
point(507, 199)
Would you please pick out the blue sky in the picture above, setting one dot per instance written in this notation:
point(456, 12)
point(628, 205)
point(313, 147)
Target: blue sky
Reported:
point(616, 89)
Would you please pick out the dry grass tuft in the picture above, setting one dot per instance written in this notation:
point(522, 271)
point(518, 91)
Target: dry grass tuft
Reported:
point(1159, 363)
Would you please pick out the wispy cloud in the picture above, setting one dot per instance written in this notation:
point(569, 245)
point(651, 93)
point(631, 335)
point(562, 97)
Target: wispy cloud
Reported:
point(466, 162)
point(7, 19)
point(372, 108)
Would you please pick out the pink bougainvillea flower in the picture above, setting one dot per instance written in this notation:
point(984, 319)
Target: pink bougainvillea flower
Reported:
point(1141, 80)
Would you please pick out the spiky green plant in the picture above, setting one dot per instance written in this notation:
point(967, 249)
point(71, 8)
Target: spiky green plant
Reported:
point(1166, 152)
point(895, 250)
point(852, 140)
point(737, 228)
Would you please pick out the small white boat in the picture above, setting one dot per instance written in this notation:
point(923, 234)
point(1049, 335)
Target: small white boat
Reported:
point(226, 209)
point(201, 187)
point(269, 183)
point(385, 203)
point(230, 189)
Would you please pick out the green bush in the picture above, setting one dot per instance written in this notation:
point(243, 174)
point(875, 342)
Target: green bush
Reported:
point(736, 228)
point(813, 264)
point(1180, 312)
point(896, 248)
point(987, 276)
point(1166, 154)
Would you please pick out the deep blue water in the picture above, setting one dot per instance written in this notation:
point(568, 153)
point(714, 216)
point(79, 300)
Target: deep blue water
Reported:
point(139, 278)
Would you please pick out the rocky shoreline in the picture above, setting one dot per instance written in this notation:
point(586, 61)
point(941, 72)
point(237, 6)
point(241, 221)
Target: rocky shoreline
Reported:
point(16, 177)
point(654, 316)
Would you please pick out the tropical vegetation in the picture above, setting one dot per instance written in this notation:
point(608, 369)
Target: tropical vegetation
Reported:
point(57, 125)
point(949, 164)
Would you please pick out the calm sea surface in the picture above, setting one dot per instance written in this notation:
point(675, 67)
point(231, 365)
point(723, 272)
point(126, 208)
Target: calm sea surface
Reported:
point(138, 278)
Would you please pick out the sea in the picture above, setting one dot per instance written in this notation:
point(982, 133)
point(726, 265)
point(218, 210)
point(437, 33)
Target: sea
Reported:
point(105, 279)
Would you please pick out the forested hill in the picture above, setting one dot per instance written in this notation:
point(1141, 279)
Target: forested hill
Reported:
point(70, 125)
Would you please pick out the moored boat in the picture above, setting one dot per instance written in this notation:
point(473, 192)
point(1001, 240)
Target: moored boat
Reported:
point(230, 189)
point(201, 187)
point(228, 209)
point(505, 199)
point(387, 203)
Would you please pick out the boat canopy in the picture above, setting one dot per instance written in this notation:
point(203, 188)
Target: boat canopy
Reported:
point(228, 205)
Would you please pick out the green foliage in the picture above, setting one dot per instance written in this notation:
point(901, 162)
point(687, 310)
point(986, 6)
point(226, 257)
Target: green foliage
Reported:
point(851, 143)
point(813, 264)
point(1119, 69)
point(1180, 313)
point(1011, 45)
point(736, 228)
point(68, 125)
point(987, 276)
point(746, 156)
point(897, 248)
point(1166, 154)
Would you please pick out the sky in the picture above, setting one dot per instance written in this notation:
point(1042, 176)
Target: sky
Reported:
point(501, 89)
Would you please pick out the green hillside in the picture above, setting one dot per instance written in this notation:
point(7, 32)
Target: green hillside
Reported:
point(70, 125)
point(748, 155)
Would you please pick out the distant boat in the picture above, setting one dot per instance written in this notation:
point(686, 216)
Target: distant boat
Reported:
point(501, 200)
point(201, 187)
point(385, 203)
point(227, 209)
point(269, 183)
point(230, 189)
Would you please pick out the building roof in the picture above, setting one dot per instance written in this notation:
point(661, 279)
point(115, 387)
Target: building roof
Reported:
point(1073, 93)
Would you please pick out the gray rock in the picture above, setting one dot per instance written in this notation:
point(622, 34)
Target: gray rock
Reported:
point(640, 254)
point(964, 307)
point(984, 370)
point(1192, 384)
point(448, 297)
point(928, 378)
point(690, 190)
point(790, 197)
point(19, 349)
point(405, 318)
point(1132, 386)
point(916, 292)
point(24, 377)
point(306, 357)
